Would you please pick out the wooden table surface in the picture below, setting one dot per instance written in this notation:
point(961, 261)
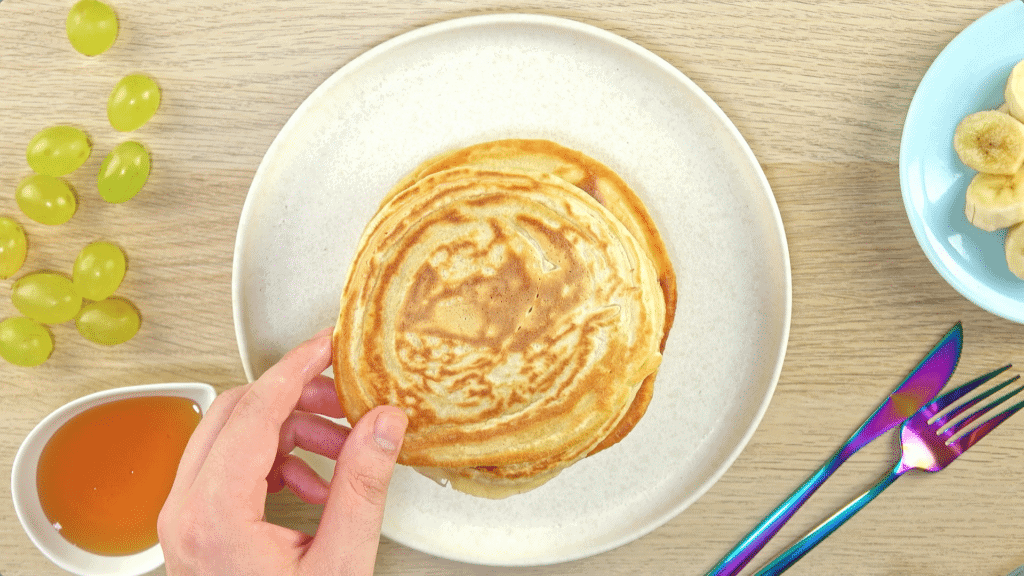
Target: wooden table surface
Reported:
point(819, 90)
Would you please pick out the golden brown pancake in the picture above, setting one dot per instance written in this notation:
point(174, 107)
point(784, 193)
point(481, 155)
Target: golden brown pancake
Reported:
point(509, 313)
point(597, 180)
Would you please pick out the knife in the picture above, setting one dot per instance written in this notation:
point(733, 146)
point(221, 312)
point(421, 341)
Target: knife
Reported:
point(919, 388)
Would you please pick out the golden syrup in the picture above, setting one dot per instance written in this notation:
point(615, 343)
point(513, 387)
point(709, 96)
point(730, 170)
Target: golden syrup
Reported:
point(104, 475)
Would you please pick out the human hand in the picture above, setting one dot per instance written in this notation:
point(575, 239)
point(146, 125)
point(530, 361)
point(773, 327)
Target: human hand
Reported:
point(212, 521)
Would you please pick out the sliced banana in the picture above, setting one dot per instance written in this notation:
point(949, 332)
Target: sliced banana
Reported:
point(990, 141)
point(1014, 91)
point(1015, 250)
point(995, 201)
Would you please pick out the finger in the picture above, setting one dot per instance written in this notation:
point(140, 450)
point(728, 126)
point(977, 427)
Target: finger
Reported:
point(309, 432)
point(313, 433)
point(198, 446)
point(355, 506)
point(321, 397)
point(241, 456)
point(300, 478)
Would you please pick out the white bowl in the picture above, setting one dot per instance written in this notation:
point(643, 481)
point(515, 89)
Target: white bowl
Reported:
point(26, 498)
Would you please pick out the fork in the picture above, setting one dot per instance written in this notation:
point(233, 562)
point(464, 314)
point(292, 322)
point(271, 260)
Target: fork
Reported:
point(931, 440)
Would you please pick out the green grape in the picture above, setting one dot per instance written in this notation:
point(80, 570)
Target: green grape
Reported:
point(24, 341)
point(123, 173)
point(46, 297)
point(111, 321)
point(92, 27)
point(58, 150)
point(13, 246)
point(46, 199)
point(98, 271)
point(132, 102)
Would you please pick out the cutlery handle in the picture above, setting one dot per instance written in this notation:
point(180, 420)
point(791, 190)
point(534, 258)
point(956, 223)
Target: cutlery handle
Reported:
point(797, 551)
point(743, 552)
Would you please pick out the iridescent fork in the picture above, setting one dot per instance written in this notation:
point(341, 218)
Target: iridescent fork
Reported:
point(931, 440)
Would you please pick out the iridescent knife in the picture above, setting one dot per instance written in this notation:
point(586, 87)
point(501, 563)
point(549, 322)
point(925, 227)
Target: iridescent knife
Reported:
point(919, 388)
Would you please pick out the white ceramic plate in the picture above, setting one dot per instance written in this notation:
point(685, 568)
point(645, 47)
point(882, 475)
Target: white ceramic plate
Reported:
point(481, 78)
point(967, 76)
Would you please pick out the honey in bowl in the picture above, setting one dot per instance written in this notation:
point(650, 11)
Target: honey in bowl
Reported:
point(104, 475)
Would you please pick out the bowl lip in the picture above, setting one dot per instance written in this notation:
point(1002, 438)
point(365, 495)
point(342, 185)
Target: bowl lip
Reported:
point(23, 472)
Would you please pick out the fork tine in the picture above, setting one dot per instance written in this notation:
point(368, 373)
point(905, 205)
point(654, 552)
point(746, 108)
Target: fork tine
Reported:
point(963, 408)
point(967, 440)
point(959, 392)
point(963, 424)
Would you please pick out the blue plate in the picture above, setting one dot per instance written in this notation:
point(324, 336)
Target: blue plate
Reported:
point(967, 76)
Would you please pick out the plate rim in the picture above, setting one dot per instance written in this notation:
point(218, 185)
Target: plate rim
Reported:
point(990, 300)
point(561, 25)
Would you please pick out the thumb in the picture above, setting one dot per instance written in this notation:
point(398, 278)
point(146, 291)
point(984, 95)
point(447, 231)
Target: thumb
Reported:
point(350, 526)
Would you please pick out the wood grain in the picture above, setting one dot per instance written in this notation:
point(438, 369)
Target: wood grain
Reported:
point(818, 89)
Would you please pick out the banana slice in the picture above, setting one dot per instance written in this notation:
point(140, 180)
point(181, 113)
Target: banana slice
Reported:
point(1015, 250)
point(995, 201)
point(1014, 91)
point(990, 141)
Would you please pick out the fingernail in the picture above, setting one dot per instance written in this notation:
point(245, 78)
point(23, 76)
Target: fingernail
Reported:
point(389, 429)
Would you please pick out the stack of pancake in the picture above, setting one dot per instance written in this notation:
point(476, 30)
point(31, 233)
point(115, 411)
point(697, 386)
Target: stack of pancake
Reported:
point(514, 298)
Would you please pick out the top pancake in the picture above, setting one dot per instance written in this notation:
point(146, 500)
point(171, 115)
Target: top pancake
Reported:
point(511, 315)
point(597, 180)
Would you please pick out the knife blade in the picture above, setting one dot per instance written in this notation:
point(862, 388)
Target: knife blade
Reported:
point(919, 387)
